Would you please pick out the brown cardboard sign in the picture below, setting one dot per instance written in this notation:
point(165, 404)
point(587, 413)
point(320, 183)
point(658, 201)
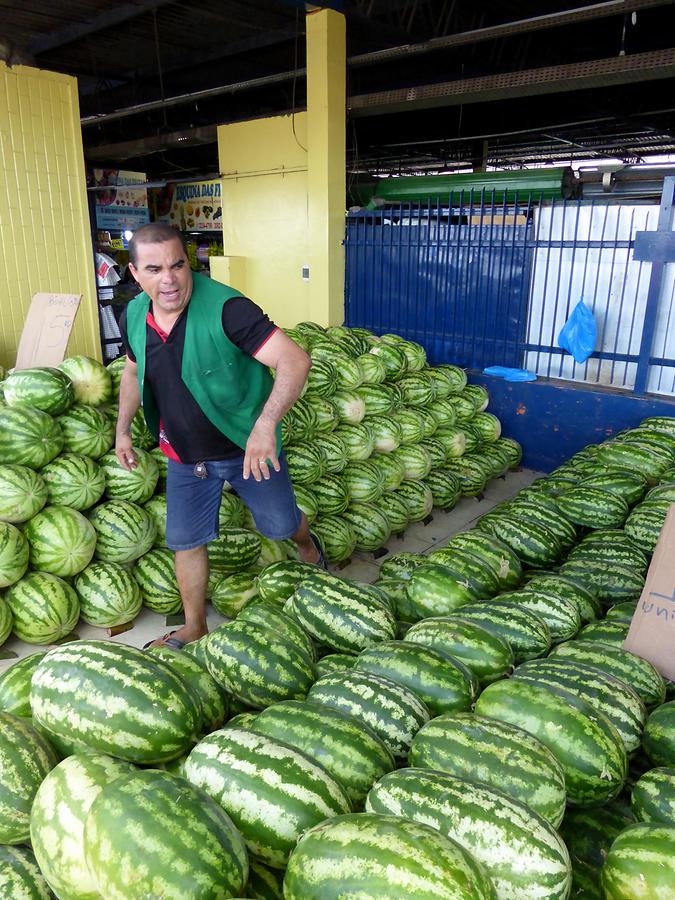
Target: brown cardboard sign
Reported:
point(652, 630)
point(47, 328)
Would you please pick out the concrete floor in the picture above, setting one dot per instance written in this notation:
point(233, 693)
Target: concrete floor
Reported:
point(418, 538)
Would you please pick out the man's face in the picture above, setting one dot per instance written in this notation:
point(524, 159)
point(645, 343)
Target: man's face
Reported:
point(163, 272)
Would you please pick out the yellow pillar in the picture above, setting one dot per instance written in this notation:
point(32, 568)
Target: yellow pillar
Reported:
point(326, 163)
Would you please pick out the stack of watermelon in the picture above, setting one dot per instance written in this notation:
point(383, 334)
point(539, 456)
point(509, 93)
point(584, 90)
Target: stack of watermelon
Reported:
point(379, 437)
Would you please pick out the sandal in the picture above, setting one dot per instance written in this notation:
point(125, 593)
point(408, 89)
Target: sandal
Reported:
point(168, 641)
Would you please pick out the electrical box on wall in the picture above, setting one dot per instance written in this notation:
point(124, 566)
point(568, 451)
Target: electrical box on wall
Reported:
point(305, 273)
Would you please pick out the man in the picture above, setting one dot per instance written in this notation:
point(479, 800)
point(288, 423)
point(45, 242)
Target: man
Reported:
point(198, 356)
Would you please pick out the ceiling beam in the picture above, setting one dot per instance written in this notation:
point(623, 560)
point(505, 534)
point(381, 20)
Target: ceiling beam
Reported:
point(650, 66)
point(108, 19)
point(189, 137)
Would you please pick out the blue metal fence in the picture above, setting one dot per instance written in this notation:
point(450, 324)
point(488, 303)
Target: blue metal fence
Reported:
point(482, 283)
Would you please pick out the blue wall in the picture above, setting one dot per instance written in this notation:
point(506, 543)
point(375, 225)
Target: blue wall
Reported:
point(554, 419)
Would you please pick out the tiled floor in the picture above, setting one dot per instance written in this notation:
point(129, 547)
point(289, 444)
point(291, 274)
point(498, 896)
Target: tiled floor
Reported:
point(418, 538)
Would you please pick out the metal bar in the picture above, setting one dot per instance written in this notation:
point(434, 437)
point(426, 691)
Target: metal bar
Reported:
point(654, 291)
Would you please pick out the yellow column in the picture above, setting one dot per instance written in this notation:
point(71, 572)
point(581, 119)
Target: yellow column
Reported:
point(326, 163)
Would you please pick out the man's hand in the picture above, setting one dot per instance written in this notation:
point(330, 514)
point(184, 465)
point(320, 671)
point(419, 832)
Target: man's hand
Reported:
point(261, 449)
point(125, 452)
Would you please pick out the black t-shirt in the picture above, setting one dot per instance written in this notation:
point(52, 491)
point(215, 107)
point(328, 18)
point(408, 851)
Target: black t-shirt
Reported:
point(191, 434)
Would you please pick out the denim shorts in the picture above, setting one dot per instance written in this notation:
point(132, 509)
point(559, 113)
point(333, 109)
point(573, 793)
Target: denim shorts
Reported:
point(192, 503)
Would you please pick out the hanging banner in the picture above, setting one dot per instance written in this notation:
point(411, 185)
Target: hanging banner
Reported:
point(119, 208)
point(190, 206)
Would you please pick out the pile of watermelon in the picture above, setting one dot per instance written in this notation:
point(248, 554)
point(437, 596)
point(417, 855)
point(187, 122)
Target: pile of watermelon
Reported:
point(378, 437)
point(468, 726)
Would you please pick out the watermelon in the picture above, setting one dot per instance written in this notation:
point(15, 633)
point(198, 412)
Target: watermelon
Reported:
point(443, 683)
point(416, 461)
point(561, 615)
point(589, 834)
point(124, 531)
point(610, 582)
point(306, 502)
point(609, 632)
point(73, 480)
point(345, 747)
point(471, 474)
point(14, 552)
point(653, 796)
point(156, 508)
point(86, 431)
point(372, 368)
point(482, 652)
point(127, 703)
point(586, 602)
point(386, 432)
point(29, 437)
point(231, 593)
point(418, 498)
point(369, 526)
point(658, 739)
point(361, 481)
point(342, 615)
point(234, 551)
point(126, 813)
point(25, 759)
point(350, 407)
point(417, 389)
point(468, 570)
point(23, 493)
point(269, 616)
point(513, 449)
point(629, 486)
point(434, 590)
point(91, 380)
point(411, 423)
point(349, 374)
point(271, 812)
point(43, 388)
point(61, 540)
point(394, 359)
point(593, 507)
point(137, 484)
point(209, 696)
point(257, 664)
point(15, 685)
point(638, 673)
point(390, 468)
point(640, 459)
point(115, 369)
point(496, 754)
point(231, 512)
point(45, 608)
point(378, 399)
point(395, 510)
point(525, 858)
point(382, 856)
point(108, 595)
point(534, 544)
point(58, 817)
point(358, 440)
point(582, 739)
point(493, 553)
point(20, 875)
point(6, 621)
point(390, 709)
point(333, 452)
point(640, 863)
point(326, 413)
point(525, 631)
point(336, 536)
point(327, 665)
point(454, 441)
point(155, 575)
point(141, 436)
point(321, 378)
point(488, 426)
point(278, 581)
point(644, 524)
point(546, 514)
point(613, 697)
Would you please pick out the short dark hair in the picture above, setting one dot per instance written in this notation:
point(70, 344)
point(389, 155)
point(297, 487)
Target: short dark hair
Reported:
point(154, 233)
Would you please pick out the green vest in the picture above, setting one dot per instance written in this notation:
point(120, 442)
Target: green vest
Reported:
point(230, 386)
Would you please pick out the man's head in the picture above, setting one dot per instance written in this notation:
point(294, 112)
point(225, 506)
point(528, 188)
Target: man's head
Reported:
point(159, 263)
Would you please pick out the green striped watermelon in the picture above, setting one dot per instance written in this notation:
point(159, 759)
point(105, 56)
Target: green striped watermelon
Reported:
point(232, 510)
point(381, 857)
point(6, 621)
point(114, 699)
point(268, 615)
point(91, 380)
point(395, 511)
point(454, 441)
point(73, 480)
point(87, 431)
point(534, 544)
point(231, 593)
point(61, 540)
point(279, 580)
point(442, 682)
point(349, 374)
point(609, 632)
point(589, 834)
point(137, 484)
point(306, 501)
point(15, 685)
point(327, 665)
point(257, 664)
point(333, 452)
point(555, 585)
point(378, 399)
point(25, 759)
point(28, 437)
point(638, 673)
point(127, 812)
point(658, 739)
point(593, 507)
point(124, 531)
point(640, 863)
point(471, 474)
point(435, 590)
point(162, 466)
point(155, 575)
point(45, 608)
point(342, 615)
point(210, 697)
point(478, 396)
point(358, 440)
point(360, 481)
point(493, 553)
point(23, 493)
point(390, 468)
point(415, 459)
point(653, 797)
point(43, 388)
point(494, 753)
point(336, 536)
point(156, 508)
point(513, 449)
point(418, 498)
point(488, 426)
point(546, 514)
point(271, 812)
point(236, 550)
point(326, 413)
point(582, 739)
point(141, 436)
point(58, 817)
point(524, 631)
point(20, 875)
point(115, 369)
point(321, 378)
point(390, 709)
point(108, 595)
point(524, 857)
point(386, 432)
point(14, 551)
point(561, 615)
point(443, 411)
point(350, 407)
point(610, 582)
point(370, 526)
point(344, 746)
point(264, 883)
point(489, 657)
point(645, 522)
point(373, 368)
point(613, 697)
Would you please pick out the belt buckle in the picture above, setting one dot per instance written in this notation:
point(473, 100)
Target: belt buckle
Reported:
point(200, 470)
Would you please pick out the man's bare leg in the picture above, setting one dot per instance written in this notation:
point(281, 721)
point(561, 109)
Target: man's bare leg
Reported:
point(306, 547)
point(192, 575)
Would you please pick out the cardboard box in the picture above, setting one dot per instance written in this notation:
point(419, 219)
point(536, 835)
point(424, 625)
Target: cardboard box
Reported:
point(47, 328)
point(652, 630)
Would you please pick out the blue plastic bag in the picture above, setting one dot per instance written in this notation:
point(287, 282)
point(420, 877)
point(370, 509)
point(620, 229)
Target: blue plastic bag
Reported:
point(579, 333)
point(510, 374)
